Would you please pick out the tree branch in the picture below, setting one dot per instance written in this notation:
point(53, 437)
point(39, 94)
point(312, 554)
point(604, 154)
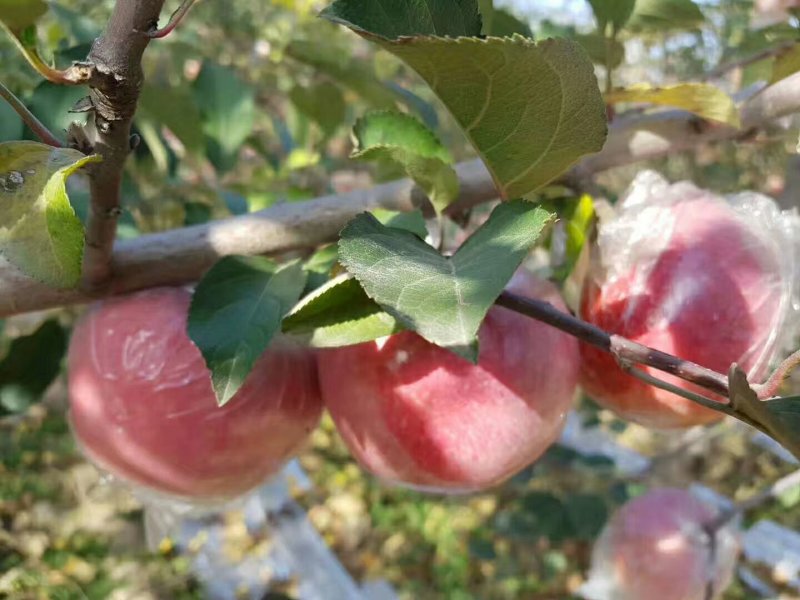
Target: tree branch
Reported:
point(116, 60)
point(182, 255)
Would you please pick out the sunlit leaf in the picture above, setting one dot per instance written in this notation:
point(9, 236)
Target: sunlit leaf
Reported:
point(339, 313)
point(394, 136)
point(39, 232)
point(530, 109)
point(444, 299)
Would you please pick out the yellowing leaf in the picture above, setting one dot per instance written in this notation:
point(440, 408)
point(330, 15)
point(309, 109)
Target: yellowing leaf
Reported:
point(39, 232)
point(701, 99)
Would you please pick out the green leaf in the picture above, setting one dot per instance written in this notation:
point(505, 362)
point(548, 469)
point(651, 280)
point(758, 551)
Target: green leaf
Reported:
point(588, 514)
point(504, 24)
point(175, 108)
point(345, 71)
point(665, 15)
point(412, 221)
point(780, 418)
point(39, 232)
point(11, 126)
point(612, 12)
point(19, 14)
point(486, 8)
point(236, 310)
point(323, 103)
point(531, 110)
point(30, 366)
point(577, 224)
point(339, 313)
point(535, 515)
point(597, 47)
point(444, 299)
point(395, 18)
point(228, 108)
point(702, 99)
point(51, 103)
point(319, 266)
point(403, 139)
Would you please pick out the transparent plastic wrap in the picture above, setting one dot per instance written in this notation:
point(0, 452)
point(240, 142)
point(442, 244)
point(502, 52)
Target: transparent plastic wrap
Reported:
point(710, 279)
point(142, 407)
point(658, 546)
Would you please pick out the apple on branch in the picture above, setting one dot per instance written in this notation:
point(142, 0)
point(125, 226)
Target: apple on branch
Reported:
point(691, 274)
point(142, 406)
point(418, 415)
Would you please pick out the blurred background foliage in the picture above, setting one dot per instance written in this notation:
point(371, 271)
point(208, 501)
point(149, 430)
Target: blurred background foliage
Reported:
point(250, 104)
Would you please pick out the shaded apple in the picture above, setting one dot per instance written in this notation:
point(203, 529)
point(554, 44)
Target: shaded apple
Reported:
point(420, 416)
point(659, 545)
point(686, 273)
point(142, 405)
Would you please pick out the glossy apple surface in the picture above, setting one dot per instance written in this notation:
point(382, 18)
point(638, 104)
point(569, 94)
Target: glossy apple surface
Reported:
point(142, 406)
point(656, 546)
point(420, 416)
point(711, 292)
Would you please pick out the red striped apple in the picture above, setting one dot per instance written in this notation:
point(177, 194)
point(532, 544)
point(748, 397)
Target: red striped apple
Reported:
point(659, 546)
point(418, 415)
point(689, 277)
point(142, 406)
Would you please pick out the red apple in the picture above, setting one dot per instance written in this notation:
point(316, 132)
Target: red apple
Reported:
point(771, 12)
point(658, 546)
point(692, 278)
point(418, 415)
point(142, 406)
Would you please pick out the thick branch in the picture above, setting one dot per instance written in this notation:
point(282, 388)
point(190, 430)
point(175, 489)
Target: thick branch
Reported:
point(183, 255)
point(116, 58)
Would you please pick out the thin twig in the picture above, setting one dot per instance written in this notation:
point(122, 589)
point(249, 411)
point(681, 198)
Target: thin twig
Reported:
point(174, 20)
point(776, 489)
point(770, 387)
point(622, 348)
point(721, 70)
point(678, 391)
point(35, 125)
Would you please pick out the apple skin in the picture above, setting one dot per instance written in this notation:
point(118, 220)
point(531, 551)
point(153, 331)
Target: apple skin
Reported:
point(419, 416)
point(656, 546)
point(142, 406)
point(712, 295)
